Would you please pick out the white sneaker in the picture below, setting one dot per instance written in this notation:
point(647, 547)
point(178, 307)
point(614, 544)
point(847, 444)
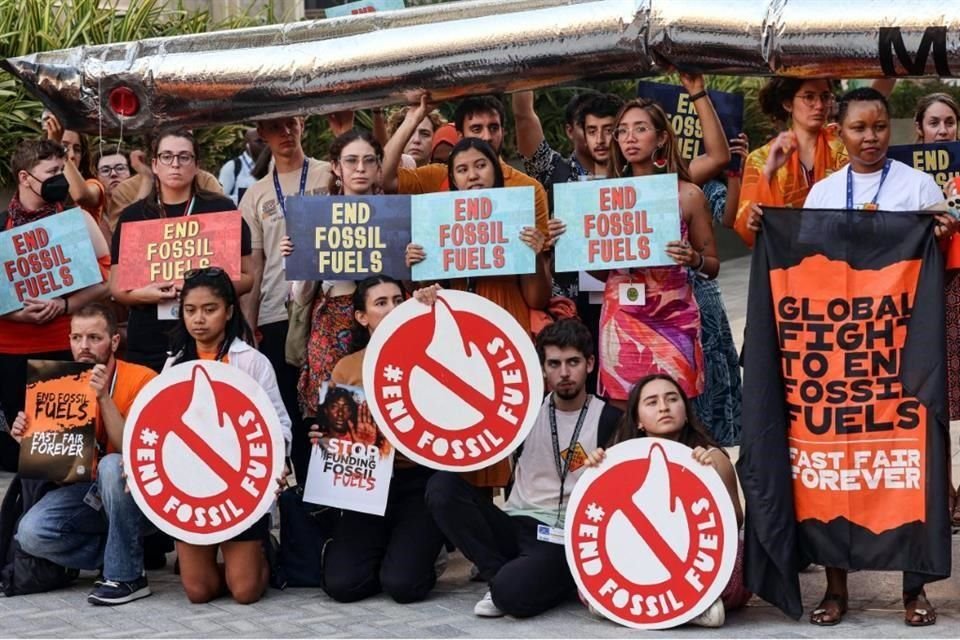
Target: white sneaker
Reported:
point(713, 617)
point(486, 609)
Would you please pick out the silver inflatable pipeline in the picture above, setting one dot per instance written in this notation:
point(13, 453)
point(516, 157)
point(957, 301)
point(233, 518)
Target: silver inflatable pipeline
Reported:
point(480, 46)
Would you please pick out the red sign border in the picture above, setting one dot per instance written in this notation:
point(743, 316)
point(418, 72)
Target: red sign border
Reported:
point(458, 301)
point(639, 448)
point(219, 372)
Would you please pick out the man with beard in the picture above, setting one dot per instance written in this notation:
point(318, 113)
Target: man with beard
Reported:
point(519, 551)
point(89, 525)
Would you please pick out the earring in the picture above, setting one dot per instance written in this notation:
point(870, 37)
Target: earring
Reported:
point(339, 184)
point(659, 161)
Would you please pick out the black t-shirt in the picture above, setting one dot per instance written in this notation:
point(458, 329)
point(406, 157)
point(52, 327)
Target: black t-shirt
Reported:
point(148, 337)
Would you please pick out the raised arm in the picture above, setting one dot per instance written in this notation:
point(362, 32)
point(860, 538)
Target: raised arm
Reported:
point(395, 146)
point(707, 165)
point(527, 123)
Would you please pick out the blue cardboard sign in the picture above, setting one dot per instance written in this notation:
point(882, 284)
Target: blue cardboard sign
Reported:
point(46, 259)
point(347, 237)
point(617, 224)
point(685, 121)
point(939, 159)
point(473, 233)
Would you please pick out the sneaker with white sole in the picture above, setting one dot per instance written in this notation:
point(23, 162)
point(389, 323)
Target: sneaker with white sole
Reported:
point(713, 617)
point(486, 609)
point(111, 592)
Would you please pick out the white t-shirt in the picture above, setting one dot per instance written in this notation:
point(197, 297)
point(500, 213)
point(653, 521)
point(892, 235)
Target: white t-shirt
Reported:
point(905, 189)
point(536, 487)
point(235, 176)
point(267, 227)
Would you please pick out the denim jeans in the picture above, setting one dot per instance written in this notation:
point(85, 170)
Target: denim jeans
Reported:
point(64, 529)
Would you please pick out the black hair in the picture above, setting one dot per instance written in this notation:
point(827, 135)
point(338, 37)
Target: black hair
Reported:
point(182, 344)
point(31, 152)
point(567, 332)
point(340, 143)
point(340, 393)
point(483, 147)
point(779, 90)
point(600, 105)
point(99, 310)
point(572, 111)
point(361, 334)
point(693, 433)
point(863, 94)
point(477, 104)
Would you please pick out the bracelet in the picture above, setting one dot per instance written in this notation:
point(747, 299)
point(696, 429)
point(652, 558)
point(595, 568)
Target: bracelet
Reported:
point(734, 174)
point(699, 267)
point(697, 96)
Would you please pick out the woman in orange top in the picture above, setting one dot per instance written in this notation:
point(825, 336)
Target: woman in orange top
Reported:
point(781, 172)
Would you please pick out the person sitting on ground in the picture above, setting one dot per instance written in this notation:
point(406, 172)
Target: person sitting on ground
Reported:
point(210, 326)
point(89, 525)
point(526, 573)
point(658, 407)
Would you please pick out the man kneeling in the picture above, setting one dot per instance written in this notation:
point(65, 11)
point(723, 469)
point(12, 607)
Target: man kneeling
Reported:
point(96, 524)
point(519, 551)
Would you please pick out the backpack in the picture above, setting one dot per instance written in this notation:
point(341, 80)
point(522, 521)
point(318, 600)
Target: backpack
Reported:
point(305, 530)
point(21, 572)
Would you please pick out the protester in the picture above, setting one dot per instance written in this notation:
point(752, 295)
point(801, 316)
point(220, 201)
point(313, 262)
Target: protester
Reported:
point(236, 176)
point(663, 335)
point(872, 181)
point(395, 552)
point(211, 327)
point(112, 169)
point(528, 575)
point(264, 211)
point(40, 329)
point(85, 190)
point(69, 527)
point(420, 145)
point(936, 118)
point(659, 408)
point(443, 140)
point(176, 193)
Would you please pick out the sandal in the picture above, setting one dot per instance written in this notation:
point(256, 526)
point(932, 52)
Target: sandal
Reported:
point(955, 516)
point(830, 611)
point(918, 612)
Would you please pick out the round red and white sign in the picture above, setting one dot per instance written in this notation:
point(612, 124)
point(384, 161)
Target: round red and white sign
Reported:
point(455, 386)
point(651, 535)
point(202, 448)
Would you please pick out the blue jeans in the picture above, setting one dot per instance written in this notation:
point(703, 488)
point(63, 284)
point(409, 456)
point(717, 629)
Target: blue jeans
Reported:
point(65, 529)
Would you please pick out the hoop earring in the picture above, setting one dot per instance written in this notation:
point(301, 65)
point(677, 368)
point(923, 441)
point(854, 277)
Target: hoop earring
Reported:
point(659, 161)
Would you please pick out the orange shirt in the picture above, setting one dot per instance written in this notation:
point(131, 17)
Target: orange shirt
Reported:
point(789, 186)
point(129, 380)
point(211, 355)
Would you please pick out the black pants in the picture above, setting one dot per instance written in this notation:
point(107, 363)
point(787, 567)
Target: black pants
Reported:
point(13, 388)
point(273, 343)
point(394, 553)
point(526, 576)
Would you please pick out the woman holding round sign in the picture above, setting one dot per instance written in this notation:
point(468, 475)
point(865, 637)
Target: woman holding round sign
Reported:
point(212, 328)
point(659, 408)
point(395, 552)
point(660, 334)
point(174, 194)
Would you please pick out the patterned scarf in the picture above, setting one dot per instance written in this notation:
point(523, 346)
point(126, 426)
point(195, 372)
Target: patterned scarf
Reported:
point(19, 215)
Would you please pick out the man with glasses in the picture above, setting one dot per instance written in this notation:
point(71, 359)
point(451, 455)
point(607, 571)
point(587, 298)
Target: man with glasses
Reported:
point(112, 169)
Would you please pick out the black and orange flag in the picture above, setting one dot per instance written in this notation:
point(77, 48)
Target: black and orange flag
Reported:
point(845, 433)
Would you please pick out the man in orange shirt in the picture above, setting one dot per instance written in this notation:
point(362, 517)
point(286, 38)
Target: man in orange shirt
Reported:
point(88, 525)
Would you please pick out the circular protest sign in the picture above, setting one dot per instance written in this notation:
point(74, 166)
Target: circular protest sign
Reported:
point(456, 386)
point(202, 448)
point(651, 535)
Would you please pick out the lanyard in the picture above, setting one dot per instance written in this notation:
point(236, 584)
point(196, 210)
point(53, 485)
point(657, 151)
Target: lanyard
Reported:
point(303, 185)
point(186, 212)
point(563, 464)
point(873, 203)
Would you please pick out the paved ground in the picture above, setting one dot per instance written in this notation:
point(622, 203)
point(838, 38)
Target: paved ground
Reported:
point(875, 606)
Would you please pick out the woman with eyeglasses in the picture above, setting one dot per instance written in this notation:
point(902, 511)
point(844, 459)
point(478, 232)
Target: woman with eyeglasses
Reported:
point(662, 335)
point(113, 167)
point(210, 326)
point(174, 194)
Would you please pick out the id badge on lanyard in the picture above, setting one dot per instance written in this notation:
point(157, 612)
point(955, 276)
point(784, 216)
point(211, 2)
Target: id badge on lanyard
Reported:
point(170, 310)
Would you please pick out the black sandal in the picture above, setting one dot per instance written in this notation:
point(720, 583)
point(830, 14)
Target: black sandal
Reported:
point(918, 606)
point(833, 605)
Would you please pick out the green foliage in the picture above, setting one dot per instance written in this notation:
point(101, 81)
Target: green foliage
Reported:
point(903, 100)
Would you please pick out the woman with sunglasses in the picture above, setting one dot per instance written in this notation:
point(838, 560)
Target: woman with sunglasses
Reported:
point(662, 335)
point(174, 194)
point(211, 327)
